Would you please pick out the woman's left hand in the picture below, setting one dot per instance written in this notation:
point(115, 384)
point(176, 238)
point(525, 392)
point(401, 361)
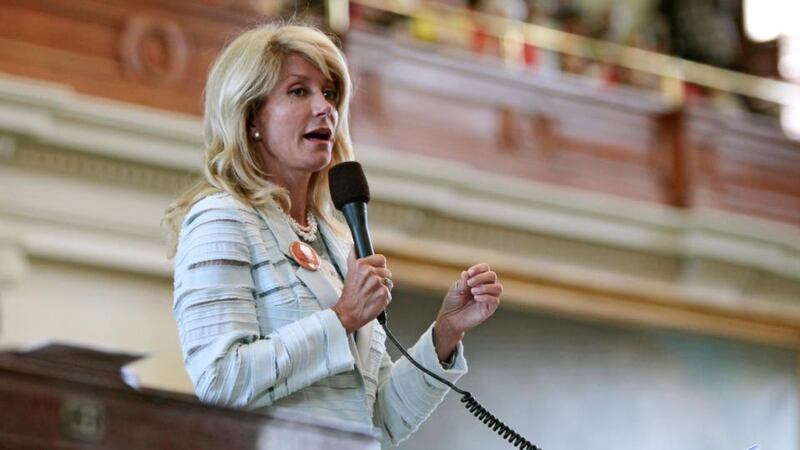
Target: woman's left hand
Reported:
point(472, 299)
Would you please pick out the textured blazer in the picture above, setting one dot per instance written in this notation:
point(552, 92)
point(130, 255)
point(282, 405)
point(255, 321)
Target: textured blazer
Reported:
point(257, 330)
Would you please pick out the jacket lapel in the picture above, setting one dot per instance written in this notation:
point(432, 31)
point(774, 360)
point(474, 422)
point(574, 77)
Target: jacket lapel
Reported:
point(279, 227)
point(315, 280)
point(336, 248)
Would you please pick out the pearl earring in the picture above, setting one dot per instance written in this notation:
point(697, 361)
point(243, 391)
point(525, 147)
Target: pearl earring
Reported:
point(256, 135)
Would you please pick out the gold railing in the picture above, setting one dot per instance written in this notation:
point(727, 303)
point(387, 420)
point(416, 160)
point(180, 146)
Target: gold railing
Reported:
point(512, 34)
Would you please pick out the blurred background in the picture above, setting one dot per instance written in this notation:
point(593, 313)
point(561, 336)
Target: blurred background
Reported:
point(630, 168)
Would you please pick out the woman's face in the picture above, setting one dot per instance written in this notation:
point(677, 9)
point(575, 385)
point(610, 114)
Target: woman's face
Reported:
point(297, 121)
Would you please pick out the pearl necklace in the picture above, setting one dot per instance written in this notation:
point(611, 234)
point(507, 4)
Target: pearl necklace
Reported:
point(307, 233)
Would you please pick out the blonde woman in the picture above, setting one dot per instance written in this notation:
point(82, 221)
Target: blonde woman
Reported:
point(272, 312)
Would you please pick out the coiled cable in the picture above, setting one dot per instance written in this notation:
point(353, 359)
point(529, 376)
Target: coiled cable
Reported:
point(471, 404)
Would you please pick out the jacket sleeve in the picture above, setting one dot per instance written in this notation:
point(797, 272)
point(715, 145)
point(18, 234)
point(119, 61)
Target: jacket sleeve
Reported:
point(406, 395)
point(226, 356)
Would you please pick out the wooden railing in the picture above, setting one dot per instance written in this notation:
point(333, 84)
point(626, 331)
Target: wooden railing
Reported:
point(562, 131)
point(514, 35)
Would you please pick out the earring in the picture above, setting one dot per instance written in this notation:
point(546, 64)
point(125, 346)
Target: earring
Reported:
point(256, 135)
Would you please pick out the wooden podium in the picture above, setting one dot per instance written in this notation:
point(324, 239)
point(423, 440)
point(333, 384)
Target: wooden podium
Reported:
point(65, 397)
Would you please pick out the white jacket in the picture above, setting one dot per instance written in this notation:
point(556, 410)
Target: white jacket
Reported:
point(257, 330)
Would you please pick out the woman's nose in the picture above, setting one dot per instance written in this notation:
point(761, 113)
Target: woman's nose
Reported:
point(321, 107)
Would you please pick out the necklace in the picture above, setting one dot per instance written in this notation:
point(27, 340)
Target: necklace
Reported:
point(307, 233)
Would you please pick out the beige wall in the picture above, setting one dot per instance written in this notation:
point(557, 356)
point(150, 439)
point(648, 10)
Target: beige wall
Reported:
point(567, 384)
point(94, 307)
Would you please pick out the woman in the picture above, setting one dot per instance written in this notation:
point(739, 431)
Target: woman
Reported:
point(264, 326)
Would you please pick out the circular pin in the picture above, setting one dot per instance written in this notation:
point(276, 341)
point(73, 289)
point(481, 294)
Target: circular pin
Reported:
point(305, 255)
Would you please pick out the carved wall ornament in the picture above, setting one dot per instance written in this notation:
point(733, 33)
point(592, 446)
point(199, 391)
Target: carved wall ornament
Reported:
point(107, 170)
point(154, 50)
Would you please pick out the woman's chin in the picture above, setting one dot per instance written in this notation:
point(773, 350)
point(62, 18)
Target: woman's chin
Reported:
point(322, 162)
point(319, 155)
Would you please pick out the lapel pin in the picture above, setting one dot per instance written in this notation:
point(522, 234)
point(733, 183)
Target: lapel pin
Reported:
point(305, 255)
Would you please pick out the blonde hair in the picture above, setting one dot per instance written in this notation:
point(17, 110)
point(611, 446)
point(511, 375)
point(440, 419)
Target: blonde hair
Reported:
point(241, 77)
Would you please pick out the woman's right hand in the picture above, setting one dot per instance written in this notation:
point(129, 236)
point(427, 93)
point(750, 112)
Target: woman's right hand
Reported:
point(365, 293)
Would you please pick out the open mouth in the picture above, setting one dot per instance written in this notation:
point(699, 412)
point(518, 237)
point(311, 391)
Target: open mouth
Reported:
point(319, 135)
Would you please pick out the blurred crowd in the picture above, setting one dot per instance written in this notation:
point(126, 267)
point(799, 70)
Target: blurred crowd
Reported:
point(706, 31)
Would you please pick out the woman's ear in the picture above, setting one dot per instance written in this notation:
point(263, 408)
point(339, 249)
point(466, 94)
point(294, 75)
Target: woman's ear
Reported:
point(252, 130)
point(252, 120)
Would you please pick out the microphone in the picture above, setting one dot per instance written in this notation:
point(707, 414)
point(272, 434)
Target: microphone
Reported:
point(350, 195)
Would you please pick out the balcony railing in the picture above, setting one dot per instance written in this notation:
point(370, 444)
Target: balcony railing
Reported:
point(514, 41)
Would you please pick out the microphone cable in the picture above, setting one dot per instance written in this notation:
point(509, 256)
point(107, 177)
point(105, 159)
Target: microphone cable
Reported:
point(470, 403)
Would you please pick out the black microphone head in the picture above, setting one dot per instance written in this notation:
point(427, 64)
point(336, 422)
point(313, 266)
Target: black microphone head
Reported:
point(348, 184)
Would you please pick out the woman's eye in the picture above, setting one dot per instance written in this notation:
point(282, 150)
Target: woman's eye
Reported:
point(331, 94)
point(298, 92)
